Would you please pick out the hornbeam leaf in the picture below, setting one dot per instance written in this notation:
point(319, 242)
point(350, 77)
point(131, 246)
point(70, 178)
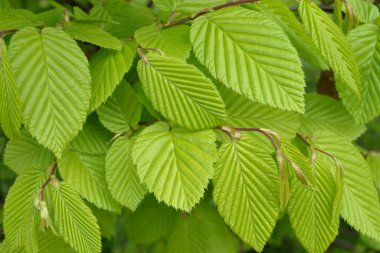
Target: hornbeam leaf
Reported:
point(175, 163)
point(121, 174)
point(329, 38)
point(360, 199)
point(75, 221)
point(250, 55)
point(10, 104)
point(12, 19)
point(181, 92)
point(54, 81)
point(311, 212)
point(186, 6)
point(365, 11)
point(246, 189)
point(107, 69)
point(48, 242)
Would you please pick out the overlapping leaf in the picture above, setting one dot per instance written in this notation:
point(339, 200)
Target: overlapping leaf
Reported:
point(175, 163)
point(121, 174)
point(246, 190)
point(10, 104)
point(12, 19)
point(48, 242)
point(54, 82)
point(181, 92)
point(251, 55)
point(365, 11)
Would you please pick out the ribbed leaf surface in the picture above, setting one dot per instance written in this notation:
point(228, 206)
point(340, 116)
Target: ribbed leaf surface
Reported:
point(16, 19)
point(311, 212)
point(24, 152)
point(54, 82)
point(246, 190)
point(365, 11)
point(176, 164)
point(186, 6)
point(181, 92)
point(10, 104)
point(324, 113)
point(365, 40)
point(172, 42)
point(48, 243)
point(21, 218)
point(360, 200)
point(329, 38)
point(86, 173)
point(122, 110)
point(107, 69)
point(251, 55)
point(121, 174)
point(74, 220)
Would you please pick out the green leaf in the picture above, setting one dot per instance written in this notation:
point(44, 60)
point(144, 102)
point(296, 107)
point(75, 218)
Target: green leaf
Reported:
point(325, 113)
point(242, 112)
point(186, 6)
point(21, 218)
point(365, 11)
point(14, 19)
point(92, 34)
point(329, 38)
point(284, 17)
point(365, 40)
point(259, 63)
point(181, 92)
point(373, 160)
point(54, 82)
point(10, 104)
point(122, 110)
point(360, 200)
point(74, 220)
point(107, 69)
point(107, 221)
point(173, 42)
point(86, 173)
point(47, 243)
point(24, 152)
point(121, 174)
point(4, 4)
point(311, 212)
point(246, 190)
point(51, 17)
point(175, 163)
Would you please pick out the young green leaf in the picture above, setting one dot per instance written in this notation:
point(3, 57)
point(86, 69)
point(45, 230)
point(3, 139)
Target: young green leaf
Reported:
point(311, 212)
point(246, 190)
point(74, 220)
point(365, 11)
point(186, 6)
point(24, 151)
point(48, 242)
point(10, 104)
point(181, 92)
point(122, 110)
point(175, 163)
point(12, 19)
point(250, 55)
point(107, 69)
point(360, 200)
point(54, 81)
point(92, 34)
point(173, 42)
point(325, 113)
point(121, 174)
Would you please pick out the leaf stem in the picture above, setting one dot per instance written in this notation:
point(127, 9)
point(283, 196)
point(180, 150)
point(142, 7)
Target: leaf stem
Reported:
point(52, 173)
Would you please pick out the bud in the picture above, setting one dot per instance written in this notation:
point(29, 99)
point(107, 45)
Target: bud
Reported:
point(54, 181)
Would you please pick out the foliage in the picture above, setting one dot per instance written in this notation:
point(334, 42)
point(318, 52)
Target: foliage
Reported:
point(189, 126)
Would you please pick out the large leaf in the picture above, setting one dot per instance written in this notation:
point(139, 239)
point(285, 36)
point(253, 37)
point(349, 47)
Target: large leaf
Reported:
point(107, 69)
point(86, 173)
point(24, 152)
point(311, 212)
point(122, 110)
point(11, 19)
point(325, 113)
point(172, 42)
point(175, 163)
point(10, 104)
point(181, 92)
point(74, 220)
point(246, 189)
point(54, 82)
point(121, 174)
point(365, 11)
point(284, 17)
point(329, 38)
point(21, 218)
point(365, 40)
point(251, 55)
point(241, 112)
point(360, 200)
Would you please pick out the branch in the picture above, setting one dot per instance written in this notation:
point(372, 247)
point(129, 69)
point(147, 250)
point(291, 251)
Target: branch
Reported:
point(202, 12)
